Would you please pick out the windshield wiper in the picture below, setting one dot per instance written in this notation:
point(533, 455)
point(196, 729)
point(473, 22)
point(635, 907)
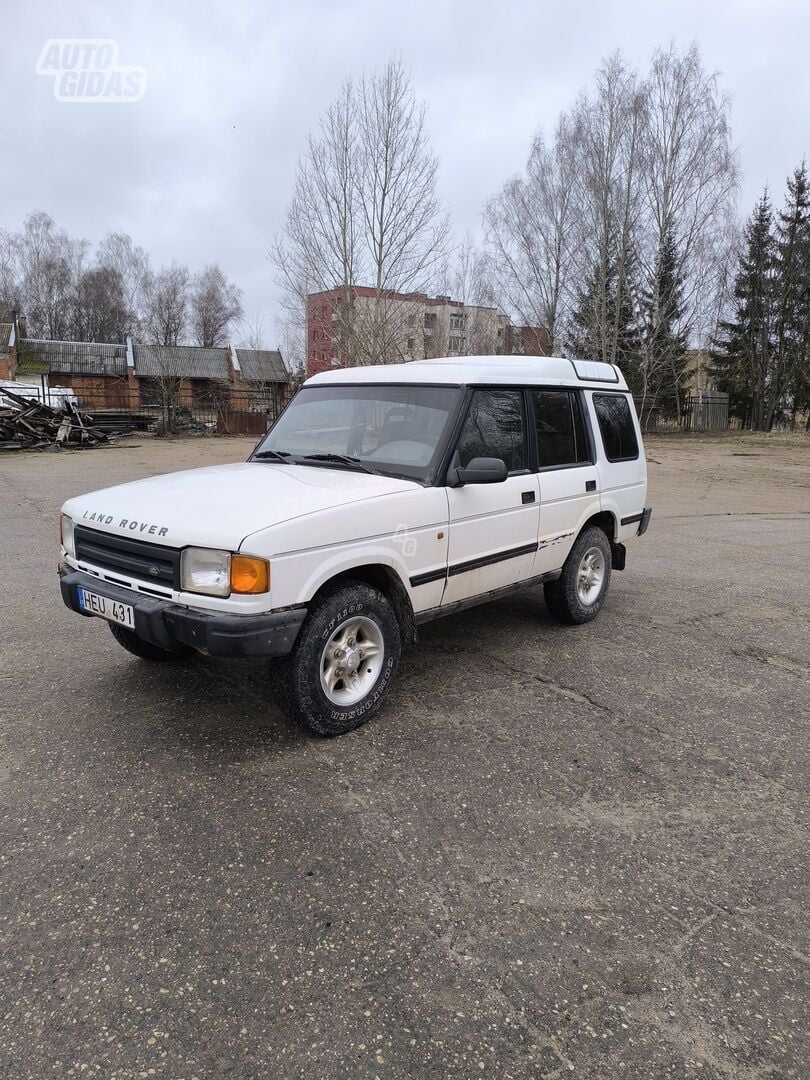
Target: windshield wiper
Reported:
point(273, 455)
point(341, 459)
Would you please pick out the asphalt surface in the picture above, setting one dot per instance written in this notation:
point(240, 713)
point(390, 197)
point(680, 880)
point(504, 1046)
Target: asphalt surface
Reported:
point(557, 852)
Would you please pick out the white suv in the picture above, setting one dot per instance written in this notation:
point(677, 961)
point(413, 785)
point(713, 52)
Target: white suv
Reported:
point(381, 498)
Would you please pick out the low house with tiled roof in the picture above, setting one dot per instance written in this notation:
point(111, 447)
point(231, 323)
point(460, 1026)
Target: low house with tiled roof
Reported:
point(238, 388)
point(95, 371)
point(261, 365)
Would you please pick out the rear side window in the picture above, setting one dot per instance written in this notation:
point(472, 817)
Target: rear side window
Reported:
point(561, 438)
point(494, 428)
point(616, 424)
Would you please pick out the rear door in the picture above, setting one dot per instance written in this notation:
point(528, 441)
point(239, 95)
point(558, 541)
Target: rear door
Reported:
point(493, 527)
point(569, 476)
point(622, 465)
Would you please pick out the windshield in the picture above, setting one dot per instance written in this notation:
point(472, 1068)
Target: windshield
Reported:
point(389, 429)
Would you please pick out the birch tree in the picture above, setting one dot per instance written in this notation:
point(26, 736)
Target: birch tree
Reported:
point(607, 129)
point(130, 264)
point(166, 305)
point(688, 179)
point(320, 247)
point(9, 282)
point(50, 265)
point(530, 233)
point(215, 304)
point(100, 311)
point(470, 282)
point(364, 211)
point(406, 231)
point(635, 189)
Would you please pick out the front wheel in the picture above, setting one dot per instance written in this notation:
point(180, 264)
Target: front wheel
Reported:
point(344, 660)
point(578, 594)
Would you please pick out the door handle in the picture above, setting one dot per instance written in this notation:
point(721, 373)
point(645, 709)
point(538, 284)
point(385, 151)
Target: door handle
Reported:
point(590, 485)
point(527, 497)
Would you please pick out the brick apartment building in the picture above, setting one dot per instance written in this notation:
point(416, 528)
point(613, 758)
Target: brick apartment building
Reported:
point(132, 376)
point(415, 327)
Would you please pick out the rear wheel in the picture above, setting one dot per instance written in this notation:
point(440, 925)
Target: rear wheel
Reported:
point(578, 594)
point(130, 641)
point(344, 660)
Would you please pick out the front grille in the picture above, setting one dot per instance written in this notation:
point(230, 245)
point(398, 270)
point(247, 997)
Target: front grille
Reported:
point(135, 558)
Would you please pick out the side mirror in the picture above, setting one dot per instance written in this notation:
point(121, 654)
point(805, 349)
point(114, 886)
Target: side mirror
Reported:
point(481, 470)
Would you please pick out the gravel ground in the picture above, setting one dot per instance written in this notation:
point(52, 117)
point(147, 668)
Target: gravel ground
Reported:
point(558, 851)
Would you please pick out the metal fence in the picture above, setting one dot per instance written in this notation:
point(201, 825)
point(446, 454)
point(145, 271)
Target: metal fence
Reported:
point(695, 412)
point(198, 410)
point(203, 407)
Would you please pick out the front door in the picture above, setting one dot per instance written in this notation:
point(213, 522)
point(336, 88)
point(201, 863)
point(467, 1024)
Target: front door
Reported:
point(493, 527)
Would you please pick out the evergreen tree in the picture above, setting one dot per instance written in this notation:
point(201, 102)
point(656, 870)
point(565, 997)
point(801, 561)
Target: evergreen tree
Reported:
point(790, 385)
point(604, 323)
point(662, 352)
point(585, 334)
point(743, 362)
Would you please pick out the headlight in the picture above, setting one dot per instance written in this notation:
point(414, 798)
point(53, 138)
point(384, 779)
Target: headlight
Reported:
point(66, 531)
point(205, 570)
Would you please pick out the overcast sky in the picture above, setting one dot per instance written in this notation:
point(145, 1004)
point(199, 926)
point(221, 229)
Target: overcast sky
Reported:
point(201, 169)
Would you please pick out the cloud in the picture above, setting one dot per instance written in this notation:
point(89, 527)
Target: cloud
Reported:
point(201, 169)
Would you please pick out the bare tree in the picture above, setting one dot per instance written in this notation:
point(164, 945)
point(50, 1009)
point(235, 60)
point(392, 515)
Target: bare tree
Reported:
point(214, 305)
point(320, 246)
point(251, 331)
point(607, 128)
point(470, 276)
point(690, 171)
point(100, 312)
point(364, 211)
point(10, 294)
point(640, 174)
point(166, 303)
point(291, 338)
point(406, 230)
point(163, 386)
point(49, 265)
point(530, 234)
point(117, 253)
point(470, 282)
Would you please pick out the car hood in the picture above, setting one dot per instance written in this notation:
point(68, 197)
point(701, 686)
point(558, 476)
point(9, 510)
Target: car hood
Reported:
point(220, 506)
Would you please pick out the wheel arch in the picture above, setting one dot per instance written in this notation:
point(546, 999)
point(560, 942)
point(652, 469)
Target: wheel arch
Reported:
point(388, 582)
point(604, 520)
point(607, 522)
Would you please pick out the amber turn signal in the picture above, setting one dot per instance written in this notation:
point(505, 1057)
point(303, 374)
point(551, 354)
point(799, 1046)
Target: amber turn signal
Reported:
point(249, 574)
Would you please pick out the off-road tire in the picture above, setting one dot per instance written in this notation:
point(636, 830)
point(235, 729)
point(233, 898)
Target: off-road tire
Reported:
point(130, 641)
point(563, 597)
point(302, 694)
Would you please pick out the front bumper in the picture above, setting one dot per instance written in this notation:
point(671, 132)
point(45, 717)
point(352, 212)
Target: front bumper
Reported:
point(171, 626)
point(645, 520)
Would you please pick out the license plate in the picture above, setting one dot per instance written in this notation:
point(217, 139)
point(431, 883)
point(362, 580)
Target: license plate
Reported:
point(93, 604)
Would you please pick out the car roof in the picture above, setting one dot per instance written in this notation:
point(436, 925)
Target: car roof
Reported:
point(482, 370)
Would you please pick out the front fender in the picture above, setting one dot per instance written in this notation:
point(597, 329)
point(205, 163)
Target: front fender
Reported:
point(341, 562)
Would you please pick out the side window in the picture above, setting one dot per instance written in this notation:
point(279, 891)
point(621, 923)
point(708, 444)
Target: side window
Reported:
point(616, 425)
point(561, 438)
point(494, 428)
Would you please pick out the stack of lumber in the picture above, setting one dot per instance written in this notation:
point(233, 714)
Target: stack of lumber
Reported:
point(26, 425)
